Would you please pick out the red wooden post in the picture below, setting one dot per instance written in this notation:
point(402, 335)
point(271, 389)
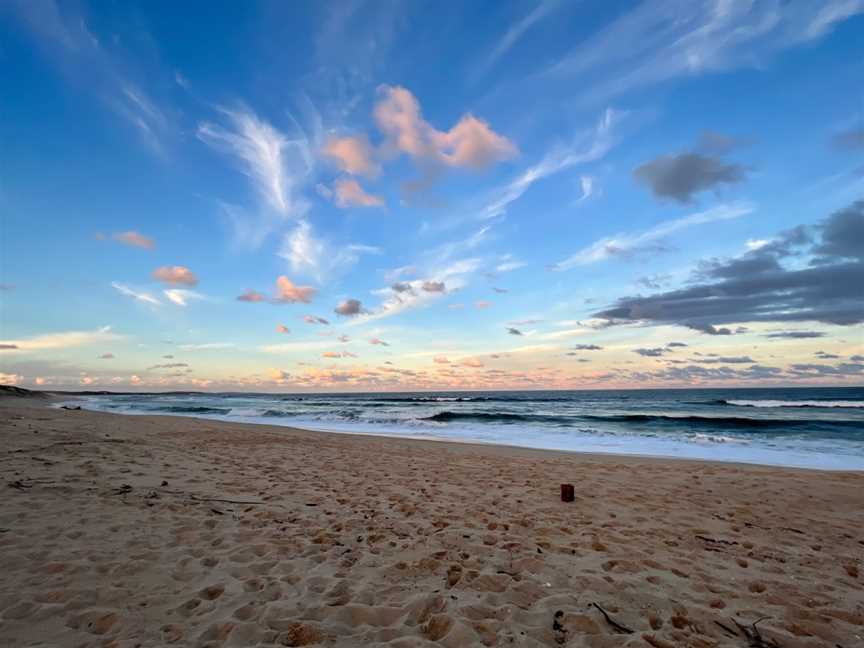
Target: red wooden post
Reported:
point(568, 493)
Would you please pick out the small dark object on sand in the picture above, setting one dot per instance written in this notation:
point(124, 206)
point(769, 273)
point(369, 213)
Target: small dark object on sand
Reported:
point(69, 407)
point(568, 493)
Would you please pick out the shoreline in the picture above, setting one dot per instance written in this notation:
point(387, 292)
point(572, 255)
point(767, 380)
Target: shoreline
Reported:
point(468, 442)
point(156, 530)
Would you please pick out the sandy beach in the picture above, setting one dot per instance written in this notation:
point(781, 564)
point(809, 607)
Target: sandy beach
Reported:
point(151, 531)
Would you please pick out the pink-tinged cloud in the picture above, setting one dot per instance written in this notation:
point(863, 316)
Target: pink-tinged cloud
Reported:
point(482, 304)
point(349, 308)
point(278, 375)
point(471, 362)
point(287, 292)
point(331, 354)
point(353, 155)
point(312, 319)
point(252, 296)
point(470, 143)
point(349, 193)
point(106, 356)
point(281, 328)
point(175, 275)
point(441, 359)
point(378, 342)
point(135, 239)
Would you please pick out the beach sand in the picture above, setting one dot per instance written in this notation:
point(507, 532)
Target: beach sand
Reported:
point(151, 531)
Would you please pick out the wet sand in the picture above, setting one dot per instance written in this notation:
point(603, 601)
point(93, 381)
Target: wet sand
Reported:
point(151, 531)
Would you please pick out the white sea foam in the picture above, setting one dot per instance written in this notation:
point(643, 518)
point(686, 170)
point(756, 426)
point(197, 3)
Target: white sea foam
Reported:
point(806, 403)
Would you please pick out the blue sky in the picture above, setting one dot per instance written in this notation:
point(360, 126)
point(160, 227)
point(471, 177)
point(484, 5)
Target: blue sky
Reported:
point(472, 195)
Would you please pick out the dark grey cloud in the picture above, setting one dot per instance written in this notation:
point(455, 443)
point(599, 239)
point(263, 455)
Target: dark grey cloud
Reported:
point(694, 373)
point(434, 286)
point(8, 347)
point(816, 370)
point(850, 140)
point(796, 335)
point(654, 282)
point(106, 356)
point(168, 365)
point(758, 287)
point(826, 356)
point(727, 360)
point(709, 329)
point(401, 287)
point(674, 345)
point(514, 331)
point(681, 176)
point(651, 353)
point(587, 347)
point(857, 358)
point(349, 308)
point(843, 234)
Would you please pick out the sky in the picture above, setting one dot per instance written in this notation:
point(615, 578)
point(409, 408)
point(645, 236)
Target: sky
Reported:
point(407, 195)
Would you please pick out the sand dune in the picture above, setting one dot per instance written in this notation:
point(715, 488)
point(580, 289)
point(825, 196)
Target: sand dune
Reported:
point(152, 531)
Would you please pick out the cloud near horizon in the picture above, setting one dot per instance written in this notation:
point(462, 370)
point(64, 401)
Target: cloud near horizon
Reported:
point(758, 287)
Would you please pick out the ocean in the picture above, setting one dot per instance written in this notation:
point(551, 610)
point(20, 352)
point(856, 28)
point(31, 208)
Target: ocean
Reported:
point(802, 427)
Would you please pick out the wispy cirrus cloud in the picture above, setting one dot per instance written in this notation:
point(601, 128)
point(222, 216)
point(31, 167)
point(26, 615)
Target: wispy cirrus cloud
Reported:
point(138, 295)
point(279, 167)
point(65, 34)
point(658, 42)
point(65, 340)
point(408, 295)
point(514, 34)
point(590, 146)
point(315, 257)
point(624, 245)
point(182, 297)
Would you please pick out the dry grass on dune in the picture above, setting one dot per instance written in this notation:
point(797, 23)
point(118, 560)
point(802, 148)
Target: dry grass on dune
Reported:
point(145, 531)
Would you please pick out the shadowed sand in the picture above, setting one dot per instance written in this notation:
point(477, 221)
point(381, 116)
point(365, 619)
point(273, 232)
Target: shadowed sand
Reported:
point(113, 533)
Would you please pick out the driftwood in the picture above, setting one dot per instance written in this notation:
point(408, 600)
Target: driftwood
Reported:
point(716, 541)
point(751, 634)
point(617, 626)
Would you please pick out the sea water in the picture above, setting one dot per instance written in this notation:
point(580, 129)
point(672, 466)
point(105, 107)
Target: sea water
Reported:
point(803, 427)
